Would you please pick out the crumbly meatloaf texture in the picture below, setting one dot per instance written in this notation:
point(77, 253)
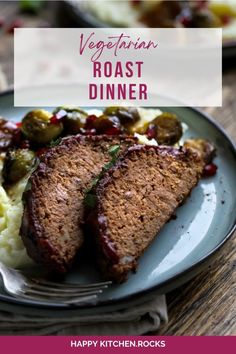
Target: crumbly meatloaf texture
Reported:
point(53, 212)
point(134, 201)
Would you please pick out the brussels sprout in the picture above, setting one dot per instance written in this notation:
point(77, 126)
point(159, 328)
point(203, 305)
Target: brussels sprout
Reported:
point(39, 129)
point(127, 115)
point(69, 109)
point(204, 148)
point(104, 124)
point(169, 129)
point(17, 164)
point(165, 128)
point(74, 119)
point(74, 122)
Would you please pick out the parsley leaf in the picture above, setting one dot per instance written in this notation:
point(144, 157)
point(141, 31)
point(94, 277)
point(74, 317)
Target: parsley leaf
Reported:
point(55, 142)
point(90, 199)
point(114, 150)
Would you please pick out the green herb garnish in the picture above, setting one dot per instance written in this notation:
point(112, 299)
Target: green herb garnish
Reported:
point(114, 150)
point(55, 142)
point(90, 199)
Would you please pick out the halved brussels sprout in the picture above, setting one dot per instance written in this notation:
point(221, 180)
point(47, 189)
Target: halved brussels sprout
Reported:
point(165, 128)
point(104, 124)
point(169, 128)
point(74, 119)
point(128, 116)
point(39, 129)
point(17, 164)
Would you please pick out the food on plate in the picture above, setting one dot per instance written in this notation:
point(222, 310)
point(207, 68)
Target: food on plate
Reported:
point(163, 13)
point(127, 116)
point(7, 132)
point(179, 14)
point(204, 148)
point(74, 118)
point(18, 163)
point(53, 214)
point(166, 129)
point(64, 160)
point(40, 130)
point(135, 199)
point(38, 126)
point(12, 250)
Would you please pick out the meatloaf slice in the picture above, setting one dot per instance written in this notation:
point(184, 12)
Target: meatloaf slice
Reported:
point(53, 212)
point(135, 199)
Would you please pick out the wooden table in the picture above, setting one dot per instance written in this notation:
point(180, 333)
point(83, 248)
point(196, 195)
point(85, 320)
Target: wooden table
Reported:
point(207, 304)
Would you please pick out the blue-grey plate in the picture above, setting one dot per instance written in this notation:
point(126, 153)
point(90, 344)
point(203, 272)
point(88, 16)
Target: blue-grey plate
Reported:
point(185, 245)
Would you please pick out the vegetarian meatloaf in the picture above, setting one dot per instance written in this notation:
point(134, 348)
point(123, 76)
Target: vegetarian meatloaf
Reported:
point(53, 203)
point(135, 199)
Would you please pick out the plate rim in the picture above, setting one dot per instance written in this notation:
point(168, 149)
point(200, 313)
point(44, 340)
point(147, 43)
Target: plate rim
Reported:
point(155, 288)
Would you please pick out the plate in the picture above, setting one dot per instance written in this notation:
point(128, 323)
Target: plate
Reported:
point(185, 245)
point(71, 15)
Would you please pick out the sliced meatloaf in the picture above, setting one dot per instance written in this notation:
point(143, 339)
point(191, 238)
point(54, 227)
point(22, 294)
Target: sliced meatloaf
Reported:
point(135, 199)
point(53, 212)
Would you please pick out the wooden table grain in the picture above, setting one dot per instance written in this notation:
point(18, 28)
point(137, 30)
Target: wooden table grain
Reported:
point(206, 305)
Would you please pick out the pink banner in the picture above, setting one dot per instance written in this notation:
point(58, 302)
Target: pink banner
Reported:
point(150, 344)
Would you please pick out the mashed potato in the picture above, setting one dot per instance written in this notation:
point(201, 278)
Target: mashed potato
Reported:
point(12, 250)
point(113, 12)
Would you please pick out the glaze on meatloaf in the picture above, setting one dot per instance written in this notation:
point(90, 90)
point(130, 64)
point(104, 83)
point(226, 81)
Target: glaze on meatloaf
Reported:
point(53, 205)
point(135, 199)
